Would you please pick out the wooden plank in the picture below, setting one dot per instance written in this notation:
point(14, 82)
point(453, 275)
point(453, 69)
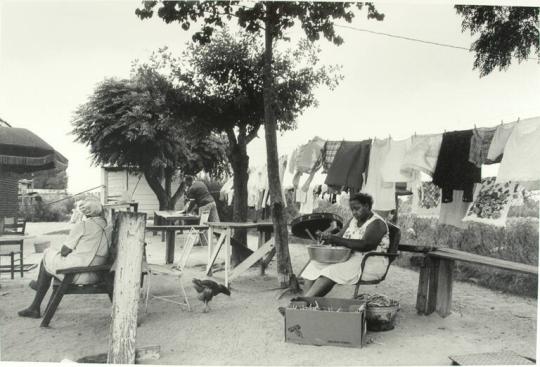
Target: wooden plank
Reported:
point(507, 358)
point(185, 227)
point(127, 281)
point(215, 253)
point(423, 288)
point(210, 248)
point(444, 287)
point(246, 225)
point(170, 238)
point(433, 266)
point(416, 248)
point(452, 254)
point(252, 259)
point(227, 255)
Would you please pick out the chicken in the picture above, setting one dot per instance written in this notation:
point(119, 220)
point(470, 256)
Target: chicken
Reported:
point(207, 289)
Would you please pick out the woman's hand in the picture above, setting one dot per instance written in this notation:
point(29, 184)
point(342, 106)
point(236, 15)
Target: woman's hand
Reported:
point(324, 236)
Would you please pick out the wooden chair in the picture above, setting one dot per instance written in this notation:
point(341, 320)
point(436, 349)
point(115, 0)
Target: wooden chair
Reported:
point(176, 270)
point(67, 286)
point(391, 254)
point(13, 249)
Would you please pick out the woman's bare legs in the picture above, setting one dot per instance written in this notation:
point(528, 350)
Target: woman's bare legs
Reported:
point(320, 287)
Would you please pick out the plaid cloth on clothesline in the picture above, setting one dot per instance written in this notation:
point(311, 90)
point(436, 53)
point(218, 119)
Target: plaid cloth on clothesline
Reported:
point(329, 153)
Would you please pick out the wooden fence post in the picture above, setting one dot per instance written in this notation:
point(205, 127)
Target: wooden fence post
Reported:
point(433, 265)
point(444, 290)
point(127, 282)
point(423, 286)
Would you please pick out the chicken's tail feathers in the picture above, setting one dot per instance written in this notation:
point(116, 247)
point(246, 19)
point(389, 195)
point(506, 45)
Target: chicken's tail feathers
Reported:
point(224, 290)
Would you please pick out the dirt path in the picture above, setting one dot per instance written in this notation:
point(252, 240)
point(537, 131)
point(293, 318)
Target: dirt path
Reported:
point(246, 328)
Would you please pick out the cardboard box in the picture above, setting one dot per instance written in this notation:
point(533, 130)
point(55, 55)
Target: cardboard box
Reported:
point(339, 322)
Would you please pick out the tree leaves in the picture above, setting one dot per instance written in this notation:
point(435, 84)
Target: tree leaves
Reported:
point(505, 33)
point(143, 123)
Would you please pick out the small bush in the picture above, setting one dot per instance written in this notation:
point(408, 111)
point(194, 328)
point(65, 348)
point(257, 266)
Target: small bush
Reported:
point(50, 211)
point(517, 242)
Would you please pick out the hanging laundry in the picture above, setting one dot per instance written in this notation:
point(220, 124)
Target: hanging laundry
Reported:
point(290, 171)
point(383, 192)
point(227, 191)
point(496, 148)
point(391, 167)
point(521, 153)
point(480, 143)
point(309, 197)
point(426, 199)
point(329, 153)
point(257, 183)
point(309, 156)
point(452, 213)
point(349, 165)
point(453, 170)
point(422, 155)
point(493, 200)
point(342, 199)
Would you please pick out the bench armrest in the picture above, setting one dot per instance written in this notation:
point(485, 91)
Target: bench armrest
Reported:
point(84, 269)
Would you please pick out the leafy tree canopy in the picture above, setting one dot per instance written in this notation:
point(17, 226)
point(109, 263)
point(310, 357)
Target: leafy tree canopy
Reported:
point(505, 33)
point(143, 123)
point(225, 77)
point(315, 18)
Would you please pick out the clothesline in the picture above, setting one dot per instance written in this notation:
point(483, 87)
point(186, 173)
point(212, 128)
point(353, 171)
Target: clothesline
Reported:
point(453, 159)
point(325, 169)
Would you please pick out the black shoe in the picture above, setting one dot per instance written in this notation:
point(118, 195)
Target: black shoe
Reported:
point(282, 311)
point(28, 312)
point(33, 285)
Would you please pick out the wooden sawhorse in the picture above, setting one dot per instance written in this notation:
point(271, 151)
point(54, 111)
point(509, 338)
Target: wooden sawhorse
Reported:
point(224, 230)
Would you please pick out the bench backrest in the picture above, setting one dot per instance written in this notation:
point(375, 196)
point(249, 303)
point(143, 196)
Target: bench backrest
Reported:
point(394, 233)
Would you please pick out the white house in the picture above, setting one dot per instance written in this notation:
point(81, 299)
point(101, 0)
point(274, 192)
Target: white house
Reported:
point(119, 184)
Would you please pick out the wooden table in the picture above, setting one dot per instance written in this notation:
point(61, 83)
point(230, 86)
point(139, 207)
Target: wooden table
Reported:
point(9, 241)
point(169, 217)
point(224, 230)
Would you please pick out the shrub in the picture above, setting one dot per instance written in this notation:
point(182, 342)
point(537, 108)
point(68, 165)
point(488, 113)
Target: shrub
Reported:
point(50, 211)
point(517, 242)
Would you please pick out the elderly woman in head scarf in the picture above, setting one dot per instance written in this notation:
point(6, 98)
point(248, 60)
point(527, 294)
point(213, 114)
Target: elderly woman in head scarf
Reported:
point(86, 245)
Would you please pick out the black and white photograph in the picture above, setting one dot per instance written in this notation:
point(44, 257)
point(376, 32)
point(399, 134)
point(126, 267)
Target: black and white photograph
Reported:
point(269, 183)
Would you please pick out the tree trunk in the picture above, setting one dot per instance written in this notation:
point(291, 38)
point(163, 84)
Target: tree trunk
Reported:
point(240, 162)
point(284, 266)
point(166, 201)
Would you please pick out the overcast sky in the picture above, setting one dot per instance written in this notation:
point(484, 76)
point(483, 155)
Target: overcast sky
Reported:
point(52, 55)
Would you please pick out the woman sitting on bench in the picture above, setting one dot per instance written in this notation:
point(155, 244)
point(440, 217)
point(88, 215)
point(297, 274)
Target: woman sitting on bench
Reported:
point(366, 231)
point(86, 245)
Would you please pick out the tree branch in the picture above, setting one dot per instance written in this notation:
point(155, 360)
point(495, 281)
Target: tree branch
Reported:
point(232, 138)
point(154, 183)
point(179, 192)
point(252, 134)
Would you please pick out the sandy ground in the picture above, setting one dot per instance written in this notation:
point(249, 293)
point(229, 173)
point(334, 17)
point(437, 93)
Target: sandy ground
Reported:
point(246, 328)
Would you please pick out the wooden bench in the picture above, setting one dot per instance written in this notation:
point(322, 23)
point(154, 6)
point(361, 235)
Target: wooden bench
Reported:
point(436, 276)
